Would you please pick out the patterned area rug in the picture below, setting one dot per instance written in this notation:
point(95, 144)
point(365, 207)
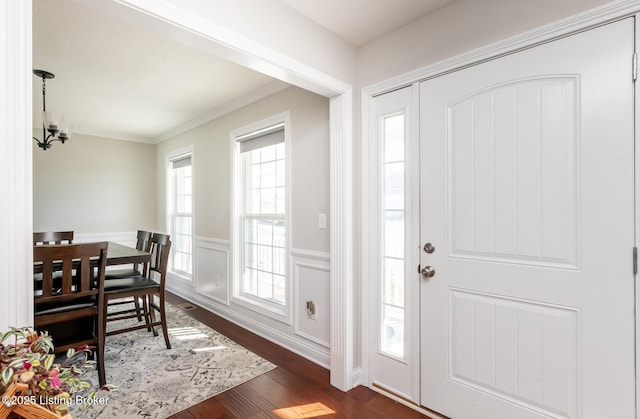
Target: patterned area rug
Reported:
point(154, 382)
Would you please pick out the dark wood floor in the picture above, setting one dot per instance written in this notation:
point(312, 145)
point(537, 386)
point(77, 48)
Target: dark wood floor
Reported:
point(297, 388)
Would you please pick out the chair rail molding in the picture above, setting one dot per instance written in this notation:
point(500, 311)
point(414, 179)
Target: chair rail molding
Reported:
point(16, 207)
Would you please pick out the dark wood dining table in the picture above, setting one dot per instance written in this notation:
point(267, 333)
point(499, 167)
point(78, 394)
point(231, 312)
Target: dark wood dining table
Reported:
point(118, 254)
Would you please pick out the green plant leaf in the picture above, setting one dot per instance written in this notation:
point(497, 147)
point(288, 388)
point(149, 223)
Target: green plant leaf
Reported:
point(17, 362)
point(48, 362)
point(7, 374)
point(5, 335)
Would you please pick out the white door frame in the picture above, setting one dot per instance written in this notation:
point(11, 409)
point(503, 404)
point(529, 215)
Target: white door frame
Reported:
point(16, 221)
point(16, 208)
point(526, 40)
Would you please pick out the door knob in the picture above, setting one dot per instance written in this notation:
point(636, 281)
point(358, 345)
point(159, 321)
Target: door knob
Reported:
point(428, 271)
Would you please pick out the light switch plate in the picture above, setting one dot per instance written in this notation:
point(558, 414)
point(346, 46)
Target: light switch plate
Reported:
point(322, 220)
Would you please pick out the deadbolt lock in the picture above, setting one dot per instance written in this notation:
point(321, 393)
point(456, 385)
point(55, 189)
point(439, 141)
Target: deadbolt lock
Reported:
point(428, 247)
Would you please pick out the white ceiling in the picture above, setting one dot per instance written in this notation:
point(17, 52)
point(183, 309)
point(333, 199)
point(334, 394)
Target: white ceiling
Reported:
point(117, 80)
point(361, 21)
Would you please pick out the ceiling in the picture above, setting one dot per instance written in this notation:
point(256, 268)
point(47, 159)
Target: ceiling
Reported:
point(361, 21)
point(149, 86)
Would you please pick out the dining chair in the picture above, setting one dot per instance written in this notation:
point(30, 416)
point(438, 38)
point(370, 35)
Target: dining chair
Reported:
point(147, 288)
point(67, 304)
point(142, 243)
point(135, 271)
point(52, 237)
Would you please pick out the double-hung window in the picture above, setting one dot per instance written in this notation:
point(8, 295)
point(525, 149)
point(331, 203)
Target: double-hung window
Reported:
point(261, 221)
point(181, 218)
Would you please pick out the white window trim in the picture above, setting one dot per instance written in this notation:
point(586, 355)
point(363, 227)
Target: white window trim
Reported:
point(280, 313)
point(169, 209)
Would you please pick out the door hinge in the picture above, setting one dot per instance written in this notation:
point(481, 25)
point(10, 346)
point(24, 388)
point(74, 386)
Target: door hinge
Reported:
point(634, 66)
point(635, 260)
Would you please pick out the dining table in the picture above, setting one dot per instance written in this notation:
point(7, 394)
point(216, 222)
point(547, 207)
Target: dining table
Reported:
point(119, 254)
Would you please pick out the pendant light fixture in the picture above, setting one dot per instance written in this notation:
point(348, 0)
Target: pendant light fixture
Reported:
point(52, 128)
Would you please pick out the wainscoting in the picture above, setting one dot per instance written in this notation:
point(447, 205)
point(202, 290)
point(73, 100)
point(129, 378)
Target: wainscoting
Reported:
point(211, 288)
point(307, 334)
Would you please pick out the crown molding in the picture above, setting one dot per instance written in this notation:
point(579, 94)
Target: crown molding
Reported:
point(237, 103)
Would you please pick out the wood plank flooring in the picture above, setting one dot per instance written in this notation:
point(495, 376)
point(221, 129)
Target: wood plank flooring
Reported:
point(297, 388)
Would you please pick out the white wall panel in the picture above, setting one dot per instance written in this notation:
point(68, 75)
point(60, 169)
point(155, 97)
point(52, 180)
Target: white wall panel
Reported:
point(311, 280)
point(212, 270)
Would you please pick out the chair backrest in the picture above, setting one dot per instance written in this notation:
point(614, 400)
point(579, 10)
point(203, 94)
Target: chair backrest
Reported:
point(143, 239)
point(142, 243)
point(159, 247)
point(52, 237)
point(80, 259)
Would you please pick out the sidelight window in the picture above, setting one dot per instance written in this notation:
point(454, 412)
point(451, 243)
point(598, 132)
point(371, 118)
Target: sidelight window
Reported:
point(393, 236)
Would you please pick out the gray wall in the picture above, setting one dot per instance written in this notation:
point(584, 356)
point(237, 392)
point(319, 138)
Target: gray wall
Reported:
point(212, 171)
point(94, 185)
point(462, 26)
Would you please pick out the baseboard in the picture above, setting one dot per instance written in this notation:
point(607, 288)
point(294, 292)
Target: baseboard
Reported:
point(294, 344)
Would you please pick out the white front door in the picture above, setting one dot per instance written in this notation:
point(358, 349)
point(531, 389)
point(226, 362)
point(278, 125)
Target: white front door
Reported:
point(526, 195)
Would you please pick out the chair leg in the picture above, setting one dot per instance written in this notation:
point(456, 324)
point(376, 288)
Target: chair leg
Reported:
point(147, 308)
point(152, 312)
point(136, 301)
point(163, 320)
point(101, 325)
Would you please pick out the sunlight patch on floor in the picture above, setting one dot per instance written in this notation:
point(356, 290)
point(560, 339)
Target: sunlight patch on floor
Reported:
point(311, 410)
point(207, 349)
point(186, 333)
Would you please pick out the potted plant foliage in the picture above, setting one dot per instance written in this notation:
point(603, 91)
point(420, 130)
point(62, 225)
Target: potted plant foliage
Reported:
point(36, 384)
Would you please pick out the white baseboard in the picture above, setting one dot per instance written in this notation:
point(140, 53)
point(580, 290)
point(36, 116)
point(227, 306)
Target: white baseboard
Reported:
point(288, 336)
point(309, 350)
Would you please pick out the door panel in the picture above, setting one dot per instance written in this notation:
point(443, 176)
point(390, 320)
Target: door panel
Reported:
point(489, 219)
point(526, 192)
point(394, 351)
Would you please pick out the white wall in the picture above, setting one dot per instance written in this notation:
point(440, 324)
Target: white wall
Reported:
point(462, 26)
point(94, 185)
point(309, 267)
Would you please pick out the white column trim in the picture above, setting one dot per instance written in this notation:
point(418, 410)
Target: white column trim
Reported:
point(16, 207)
point(341, 247)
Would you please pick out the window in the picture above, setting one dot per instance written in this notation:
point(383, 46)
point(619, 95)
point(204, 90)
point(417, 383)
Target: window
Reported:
point(261, 218)
point(393, 234)
point(181, 219)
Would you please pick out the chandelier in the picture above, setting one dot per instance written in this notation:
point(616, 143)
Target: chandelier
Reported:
point(52, 129)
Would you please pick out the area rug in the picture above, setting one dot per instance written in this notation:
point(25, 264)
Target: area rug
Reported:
point(154, 382)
